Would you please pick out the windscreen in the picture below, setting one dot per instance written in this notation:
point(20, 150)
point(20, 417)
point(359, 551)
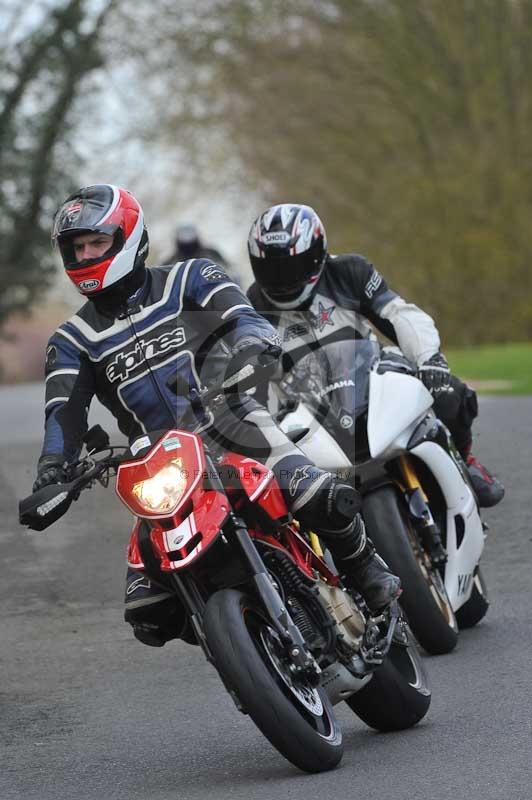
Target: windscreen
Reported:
point(334, 383)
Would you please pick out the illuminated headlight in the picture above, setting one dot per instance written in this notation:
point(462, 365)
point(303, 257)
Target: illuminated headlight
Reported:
point(164, 491)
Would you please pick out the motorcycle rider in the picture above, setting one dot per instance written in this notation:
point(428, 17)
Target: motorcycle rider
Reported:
point(312, 297)
point(188, 244)
point(139, 329)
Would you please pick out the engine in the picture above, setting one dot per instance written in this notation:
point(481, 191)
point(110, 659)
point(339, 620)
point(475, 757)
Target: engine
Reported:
point(342, 608)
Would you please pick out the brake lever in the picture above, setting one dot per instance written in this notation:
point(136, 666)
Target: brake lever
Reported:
point(88, 470)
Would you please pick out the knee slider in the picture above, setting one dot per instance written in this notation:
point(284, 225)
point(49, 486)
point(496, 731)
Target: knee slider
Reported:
point(333, 509)
point(345, 503)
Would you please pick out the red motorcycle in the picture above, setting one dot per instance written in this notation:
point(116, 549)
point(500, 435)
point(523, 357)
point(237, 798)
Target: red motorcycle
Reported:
point(288, 640)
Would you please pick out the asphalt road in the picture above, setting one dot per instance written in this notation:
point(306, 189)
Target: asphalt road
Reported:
point(86, 712)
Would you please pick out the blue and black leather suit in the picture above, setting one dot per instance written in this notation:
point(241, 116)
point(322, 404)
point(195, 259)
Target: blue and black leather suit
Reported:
point(182, 314)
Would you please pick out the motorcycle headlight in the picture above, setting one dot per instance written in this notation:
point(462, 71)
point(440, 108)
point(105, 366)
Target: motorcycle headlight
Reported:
point(164, 491)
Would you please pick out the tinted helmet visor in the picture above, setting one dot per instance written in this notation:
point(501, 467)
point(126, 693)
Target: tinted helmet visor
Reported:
point(283, 277)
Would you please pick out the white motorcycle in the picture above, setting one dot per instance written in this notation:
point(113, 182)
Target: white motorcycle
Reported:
point(367, 418)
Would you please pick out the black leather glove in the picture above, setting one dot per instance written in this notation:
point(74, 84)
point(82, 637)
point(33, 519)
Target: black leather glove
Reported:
point(253, 350)
point(49, 470)
point(435, 374)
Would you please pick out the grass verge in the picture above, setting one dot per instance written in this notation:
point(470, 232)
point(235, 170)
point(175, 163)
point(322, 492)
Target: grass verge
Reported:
point(494, 369)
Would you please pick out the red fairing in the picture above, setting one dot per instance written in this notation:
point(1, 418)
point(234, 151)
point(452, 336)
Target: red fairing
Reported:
point(134, 558)
point(194, 524)
point(189, 540)
point(259, 484)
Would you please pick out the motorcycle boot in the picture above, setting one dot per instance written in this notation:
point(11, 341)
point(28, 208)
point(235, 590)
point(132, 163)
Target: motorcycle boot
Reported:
point(488, 489)
point(362, 568)
point(154, 613)
point(337, 521)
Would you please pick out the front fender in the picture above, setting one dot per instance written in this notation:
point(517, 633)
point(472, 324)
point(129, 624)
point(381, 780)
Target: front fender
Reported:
point(465, 535)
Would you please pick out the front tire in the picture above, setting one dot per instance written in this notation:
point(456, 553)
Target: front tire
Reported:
point(476, 607)
point(296, 718)
point(424, 597)
point(397, 696)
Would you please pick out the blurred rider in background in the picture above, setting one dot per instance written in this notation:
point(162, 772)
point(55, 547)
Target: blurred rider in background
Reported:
point(188, 244)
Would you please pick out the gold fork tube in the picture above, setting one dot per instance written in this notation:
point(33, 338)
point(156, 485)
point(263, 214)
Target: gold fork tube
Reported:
point(409, 476)
point(315, 544)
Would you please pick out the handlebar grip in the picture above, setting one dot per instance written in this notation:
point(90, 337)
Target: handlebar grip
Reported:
point(45, 506)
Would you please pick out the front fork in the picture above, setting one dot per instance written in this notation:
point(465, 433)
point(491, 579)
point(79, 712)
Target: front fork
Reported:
point(290, 635)
point(420, 513)
point(237, 535)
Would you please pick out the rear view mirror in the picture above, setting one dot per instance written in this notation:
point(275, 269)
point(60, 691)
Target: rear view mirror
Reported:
point(44, 507)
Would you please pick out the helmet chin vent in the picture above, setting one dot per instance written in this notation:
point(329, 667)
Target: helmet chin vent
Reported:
point(300, 299)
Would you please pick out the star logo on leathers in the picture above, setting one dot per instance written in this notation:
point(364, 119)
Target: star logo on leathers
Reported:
point(323, 317)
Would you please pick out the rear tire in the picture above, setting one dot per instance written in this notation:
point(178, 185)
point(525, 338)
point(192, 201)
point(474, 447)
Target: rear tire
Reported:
point(476, 607)
point(397, 696)
point(424, 598)
point(296, 718)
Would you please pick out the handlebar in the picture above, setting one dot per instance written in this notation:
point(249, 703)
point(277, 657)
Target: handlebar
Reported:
point(46, 505)
point(42, 508)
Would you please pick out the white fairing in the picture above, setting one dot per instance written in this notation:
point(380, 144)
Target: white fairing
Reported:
point(461, 510)
point(396, 404)
point(318, 445)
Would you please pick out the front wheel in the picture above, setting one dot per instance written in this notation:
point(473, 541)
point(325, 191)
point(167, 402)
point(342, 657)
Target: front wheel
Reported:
point(424, 597)
point(296, 717)
point(397, 696)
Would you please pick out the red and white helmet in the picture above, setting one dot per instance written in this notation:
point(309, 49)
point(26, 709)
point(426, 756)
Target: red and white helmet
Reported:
point(101, 208)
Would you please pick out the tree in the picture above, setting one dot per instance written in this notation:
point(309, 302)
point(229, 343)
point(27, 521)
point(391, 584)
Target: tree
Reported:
point(42, 76)
point(408, 126)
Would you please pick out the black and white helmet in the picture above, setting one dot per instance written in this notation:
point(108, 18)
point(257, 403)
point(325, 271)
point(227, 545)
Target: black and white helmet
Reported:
point(287, 248)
